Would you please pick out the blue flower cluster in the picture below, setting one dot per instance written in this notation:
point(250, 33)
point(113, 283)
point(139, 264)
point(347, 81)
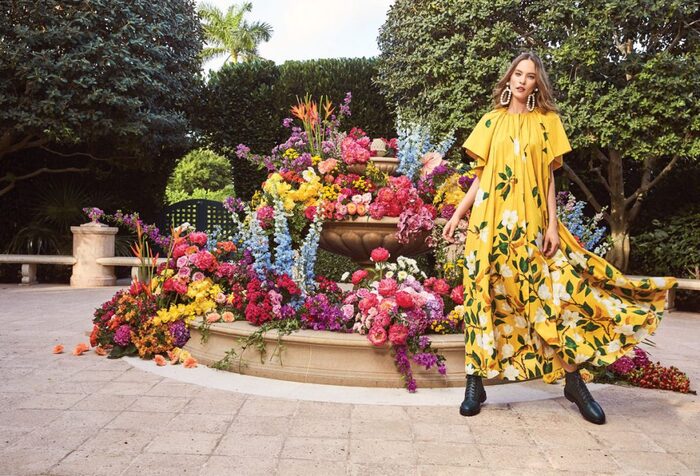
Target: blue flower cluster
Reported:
point(309, 250)
point(414, 141)
point(570, 212)
point(284, 255)
point(256, 241)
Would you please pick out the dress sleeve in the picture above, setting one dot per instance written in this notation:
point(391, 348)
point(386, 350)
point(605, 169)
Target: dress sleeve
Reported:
point(478, 143)
point(558, 142)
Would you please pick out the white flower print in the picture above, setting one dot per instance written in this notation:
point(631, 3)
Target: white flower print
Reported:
point(626, 329)
point(578, 258)
point(570, 318)
point(507, 329)
point(479, 199)
point(516, 147)
point(543, 292)
point(507, 351)
point(580, 358)
point(499, 289)
point(509, 218)
point(471, 263)
point(613, 346)
point(483, 318)
point(538, 240)
point(540, 315)
point(492, 373)
point(469, 369)
point(510, 372)
point(505, 307)
point(520, 322)
point(620, 281)
point(560, 293)
point(484, 234)
point(578, 338)
point(640, 334)
point(659, 281)
point(505, 271)
point(559, 258)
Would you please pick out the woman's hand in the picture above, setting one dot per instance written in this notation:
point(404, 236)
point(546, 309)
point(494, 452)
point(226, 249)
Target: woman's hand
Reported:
point(449, 230)
point(551, 241)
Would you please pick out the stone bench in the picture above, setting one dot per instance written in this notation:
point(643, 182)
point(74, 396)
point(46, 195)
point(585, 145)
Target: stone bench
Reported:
point(29, 263)
point(128, 261)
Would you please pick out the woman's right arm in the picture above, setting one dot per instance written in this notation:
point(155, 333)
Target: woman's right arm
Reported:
point(461, 210)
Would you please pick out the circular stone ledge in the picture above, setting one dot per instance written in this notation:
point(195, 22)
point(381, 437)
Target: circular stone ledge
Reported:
point(324, 357)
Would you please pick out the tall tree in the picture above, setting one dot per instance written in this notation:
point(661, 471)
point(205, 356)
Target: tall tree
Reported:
point(626, 74)
point(105, 80)
point(230, 35)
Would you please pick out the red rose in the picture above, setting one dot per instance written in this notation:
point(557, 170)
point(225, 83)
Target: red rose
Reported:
point(398, 334)
point(457, 294)
point(358, 276)
point(387, 287)
point(379, 255)
point(377, 335)
point(310, 213)
point(441, 287)
point(404, 300)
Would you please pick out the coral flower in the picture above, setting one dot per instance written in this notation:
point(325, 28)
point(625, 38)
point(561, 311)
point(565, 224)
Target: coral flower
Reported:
point(58, 349)
point(227, 316)
point(377, 335)
point(213, 317)
point(81, 348)
point(160, 360)
point(379, 255)
point(174, 355)
point(190, 363)
point(101, 351)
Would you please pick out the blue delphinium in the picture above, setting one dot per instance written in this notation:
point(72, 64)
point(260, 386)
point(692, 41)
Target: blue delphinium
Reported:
point(570, 212)
point(308, 253)
point(414, 141)
point(284, 255)
point(256, 241)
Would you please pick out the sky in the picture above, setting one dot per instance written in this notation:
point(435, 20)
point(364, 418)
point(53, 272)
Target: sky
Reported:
point(312, 29)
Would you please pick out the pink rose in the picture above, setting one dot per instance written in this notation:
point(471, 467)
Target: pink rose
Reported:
point(184, 272)
point(327, 165)
point(398, 334)
point(387, 287)
point(377, 335)
point(379, 255)
point(182, 261)
point(441, 287)
point(227, 316)
point(198, 238)
point(348, 311)
point(213, 317)
point(198, 276)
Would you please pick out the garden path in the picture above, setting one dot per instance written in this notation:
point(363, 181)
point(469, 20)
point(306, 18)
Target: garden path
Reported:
point(87, 415)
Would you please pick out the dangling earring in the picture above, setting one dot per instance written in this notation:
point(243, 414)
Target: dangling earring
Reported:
point(531, 100)
point(506, 91)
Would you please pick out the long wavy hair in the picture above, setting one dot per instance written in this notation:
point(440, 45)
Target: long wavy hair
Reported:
point(544, 99)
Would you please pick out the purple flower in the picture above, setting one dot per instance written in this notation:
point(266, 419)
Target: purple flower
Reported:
point(94, 214)
point(447, 211)
point(287, 122)
point(242, 151)
point(179, 332)
point(122, 336)
point(622, 366)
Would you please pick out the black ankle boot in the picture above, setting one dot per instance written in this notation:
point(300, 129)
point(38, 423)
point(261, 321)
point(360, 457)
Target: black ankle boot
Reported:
point(575, 390)
point(474, 396)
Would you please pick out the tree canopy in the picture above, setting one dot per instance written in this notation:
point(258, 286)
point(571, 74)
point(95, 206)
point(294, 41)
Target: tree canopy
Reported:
point(110, 78)
point(625, 73)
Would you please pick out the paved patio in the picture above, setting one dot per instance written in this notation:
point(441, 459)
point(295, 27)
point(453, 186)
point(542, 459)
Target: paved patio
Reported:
point(66, 415)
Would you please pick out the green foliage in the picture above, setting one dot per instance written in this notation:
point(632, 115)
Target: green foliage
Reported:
point(94, 69)
point(200, 174)
point(671, 248)
point(245, 103)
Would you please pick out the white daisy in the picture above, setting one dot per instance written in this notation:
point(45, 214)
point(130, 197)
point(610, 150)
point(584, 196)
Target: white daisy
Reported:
point(510, 372)
point(509, 218)
point(507, 351)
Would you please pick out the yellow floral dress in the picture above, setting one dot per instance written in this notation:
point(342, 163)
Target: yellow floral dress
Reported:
point(520, 306)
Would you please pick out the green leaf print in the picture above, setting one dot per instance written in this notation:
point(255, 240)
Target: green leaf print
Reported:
point(523, 265)
point(544, 150)
point(500, 185)
point(591, 326)
point(546, 136)
point(476, 358)
point(505, 192)
point(535, 191)
point(487, 123)
point(547, 367)
point(608, 272)
point(569, 287)
point(521, 340)
point(587, 309)
point(571, 343)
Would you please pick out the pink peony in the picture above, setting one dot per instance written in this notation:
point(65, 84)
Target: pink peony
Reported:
point(327, 165)
point(398, 334)
point(227, 316)
point(348, 311)
point(310, 213)
point(377, 335)
point(213, 317)
point(404, 300)
point(182, 261)
point(204, 260)
point(441, 287)
point(387, 287)
point(184, 272)
point(457, 294)
point(379, 255)
point(358, 276)
point(382, 319)
point(377, 210)
point(385, 194)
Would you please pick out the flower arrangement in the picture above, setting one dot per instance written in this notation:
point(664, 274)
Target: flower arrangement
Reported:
point(586, 230)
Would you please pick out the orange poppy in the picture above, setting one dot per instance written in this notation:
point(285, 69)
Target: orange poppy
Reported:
point(190, 363)
point(58, 349)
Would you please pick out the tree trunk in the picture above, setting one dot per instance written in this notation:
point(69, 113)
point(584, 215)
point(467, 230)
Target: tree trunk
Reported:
point(618, 220)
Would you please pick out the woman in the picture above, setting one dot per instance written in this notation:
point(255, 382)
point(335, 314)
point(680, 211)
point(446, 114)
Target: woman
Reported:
point(537, 303)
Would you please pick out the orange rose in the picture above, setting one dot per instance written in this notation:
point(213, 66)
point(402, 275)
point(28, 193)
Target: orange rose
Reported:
point(213, 317)
point(227, 316)
point(190, 363)
point(58, 349)
point(352, 208)
point(160, 360)
point(361, 209)
point(99, 350)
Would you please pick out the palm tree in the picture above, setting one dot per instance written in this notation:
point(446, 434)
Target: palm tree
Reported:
point(230, 35)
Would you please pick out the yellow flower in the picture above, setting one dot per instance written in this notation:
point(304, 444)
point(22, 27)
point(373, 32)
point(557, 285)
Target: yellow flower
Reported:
point(360, 184)
point(330, 192)
point(553, 376)
point(315, 159)
point(291, 154)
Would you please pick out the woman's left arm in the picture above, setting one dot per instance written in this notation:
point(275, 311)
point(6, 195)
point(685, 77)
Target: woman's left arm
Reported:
point(551, 237)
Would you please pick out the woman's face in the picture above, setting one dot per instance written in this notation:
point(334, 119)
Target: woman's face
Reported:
point(523, 80)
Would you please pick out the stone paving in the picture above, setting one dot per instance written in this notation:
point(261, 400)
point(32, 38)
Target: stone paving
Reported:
point(67, 415)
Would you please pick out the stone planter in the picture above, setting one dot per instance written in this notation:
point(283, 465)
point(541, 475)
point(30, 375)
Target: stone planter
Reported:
point(357, 238)
point(387, 165)
point(323, 357)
